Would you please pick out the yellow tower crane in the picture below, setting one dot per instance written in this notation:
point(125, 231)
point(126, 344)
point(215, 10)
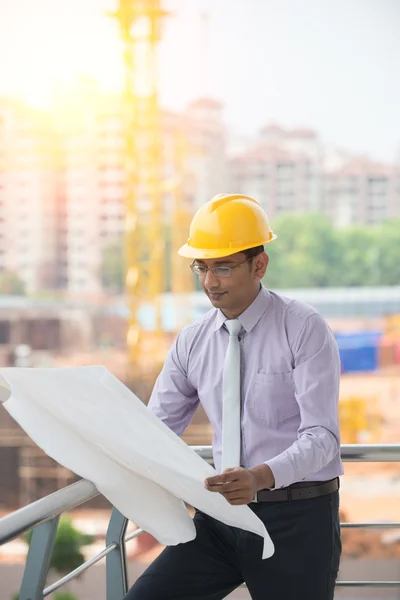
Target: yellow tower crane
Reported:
point(140, 29)
point(182, 282)
point(140, 24)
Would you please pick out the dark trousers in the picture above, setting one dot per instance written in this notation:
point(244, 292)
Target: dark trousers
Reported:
point(306, 535)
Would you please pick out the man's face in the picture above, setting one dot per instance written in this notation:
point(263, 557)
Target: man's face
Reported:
point(234, 293)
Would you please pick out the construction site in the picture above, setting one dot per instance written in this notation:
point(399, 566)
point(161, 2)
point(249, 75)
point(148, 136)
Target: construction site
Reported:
point(158, 164)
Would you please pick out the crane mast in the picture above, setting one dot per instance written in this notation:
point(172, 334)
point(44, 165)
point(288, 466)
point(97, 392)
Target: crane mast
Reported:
point(140, 31)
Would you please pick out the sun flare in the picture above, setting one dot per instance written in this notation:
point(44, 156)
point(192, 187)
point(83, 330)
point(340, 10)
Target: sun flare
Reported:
point(54, 50)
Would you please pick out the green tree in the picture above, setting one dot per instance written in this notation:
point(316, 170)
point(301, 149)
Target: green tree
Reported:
point(112, 268)
point(306, 253)
point(309, 252)
point(357, 262)
point(387, 255)
point(11, 284)
point(67, 554)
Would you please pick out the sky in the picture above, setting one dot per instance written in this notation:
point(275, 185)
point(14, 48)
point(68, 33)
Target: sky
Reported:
point(331, 65)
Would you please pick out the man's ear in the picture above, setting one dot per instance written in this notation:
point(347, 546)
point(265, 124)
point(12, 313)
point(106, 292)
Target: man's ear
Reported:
point(260, 265)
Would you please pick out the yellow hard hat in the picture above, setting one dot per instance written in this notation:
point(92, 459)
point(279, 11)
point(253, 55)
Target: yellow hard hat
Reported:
point(227, 224)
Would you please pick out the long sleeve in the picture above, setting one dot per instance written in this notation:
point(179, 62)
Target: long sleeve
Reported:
point(174, 400)
point(316, 378)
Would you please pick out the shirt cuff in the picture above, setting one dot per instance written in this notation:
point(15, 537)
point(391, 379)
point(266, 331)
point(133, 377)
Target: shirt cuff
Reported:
point(282, 470)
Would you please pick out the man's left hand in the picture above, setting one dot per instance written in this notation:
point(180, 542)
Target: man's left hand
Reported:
point(237, 485)
point(240, 485)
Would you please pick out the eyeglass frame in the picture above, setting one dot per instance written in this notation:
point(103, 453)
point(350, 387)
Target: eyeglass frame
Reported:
point(212, 269)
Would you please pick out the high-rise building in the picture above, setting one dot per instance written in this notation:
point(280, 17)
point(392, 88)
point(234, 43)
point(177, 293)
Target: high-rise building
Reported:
point(92, 147)
point(282, 169)
point(207, 156)
point(29, 192)
point(361, 192)
point(291, 171)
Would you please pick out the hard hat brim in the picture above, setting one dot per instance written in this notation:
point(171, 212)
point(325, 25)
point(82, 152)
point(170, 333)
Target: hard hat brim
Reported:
point(208, 253)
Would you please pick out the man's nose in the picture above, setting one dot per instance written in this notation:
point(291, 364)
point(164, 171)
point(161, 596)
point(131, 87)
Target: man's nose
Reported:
point(211, 280)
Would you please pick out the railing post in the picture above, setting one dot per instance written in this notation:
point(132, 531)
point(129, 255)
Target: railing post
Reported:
point(116, 571)
point(38, 560)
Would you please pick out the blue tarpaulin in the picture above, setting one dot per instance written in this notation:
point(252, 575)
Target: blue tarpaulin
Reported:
point(359, 351)
point(364, 358)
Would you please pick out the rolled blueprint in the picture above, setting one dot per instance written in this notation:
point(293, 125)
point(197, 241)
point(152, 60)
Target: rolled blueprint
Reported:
point(92, 424)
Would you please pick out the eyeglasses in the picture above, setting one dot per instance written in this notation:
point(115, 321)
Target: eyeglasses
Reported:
point(201, 270)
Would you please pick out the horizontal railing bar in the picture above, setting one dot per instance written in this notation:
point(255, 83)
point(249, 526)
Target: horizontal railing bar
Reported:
point(92, 561)
point(349, 452)
point(383, 525)
point(370, 452)
point(372, 584)
point(89, 563)
point(49, 507)
point(133, 535)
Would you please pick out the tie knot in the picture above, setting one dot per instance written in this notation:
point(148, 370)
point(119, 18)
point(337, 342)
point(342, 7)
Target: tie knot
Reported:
point(233, 326)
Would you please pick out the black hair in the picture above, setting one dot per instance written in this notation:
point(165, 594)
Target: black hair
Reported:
point(251, 252)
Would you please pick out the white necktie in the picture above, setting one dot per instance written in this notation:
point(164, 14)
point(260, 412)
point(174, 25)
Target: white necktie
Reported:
point(231, 438)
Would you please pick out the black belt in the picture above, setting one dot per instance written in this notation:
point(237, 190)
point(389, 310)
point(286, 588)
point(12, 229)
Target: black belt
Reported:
point(299, 491)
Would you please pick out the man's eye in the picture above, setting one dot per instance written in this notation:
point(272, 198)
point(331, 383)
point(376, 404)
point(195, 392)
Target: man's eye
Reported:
point(222, 270)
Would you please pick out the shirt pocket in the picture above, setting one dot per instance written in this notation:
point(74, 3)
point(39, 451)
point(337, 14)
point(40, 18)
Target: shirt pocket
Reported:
point(272, 397)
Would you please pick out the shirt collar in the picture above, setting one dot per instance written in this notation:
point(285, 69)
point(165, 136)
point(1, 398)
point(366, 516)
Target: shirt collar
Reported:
point(253, 313)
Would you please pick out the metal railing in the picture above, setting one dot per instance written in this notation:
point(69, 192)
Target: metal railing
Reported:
point(43, 516)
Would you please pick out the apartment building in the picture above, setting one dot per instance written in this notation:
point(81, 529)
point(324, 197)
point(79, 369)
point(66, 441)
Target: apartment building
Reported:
point(361, 191)
point(291, 171)
point(207, 160)
point(29, 195)
point(92, 146)
point(282, 169)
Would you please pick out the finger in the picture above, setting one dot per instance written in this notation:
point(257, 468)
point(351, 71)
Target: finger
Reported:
point(234, 472)
point(217, 480)
point(235, 494)
point(236, 484)
point(222, 478)
point(214, 488)
point(219, 487)
point(236, 500)
point(233, 486)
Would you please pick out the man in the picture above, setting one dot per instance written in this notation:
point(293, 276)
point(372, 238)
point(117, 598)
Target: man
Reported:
point(266, 370)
